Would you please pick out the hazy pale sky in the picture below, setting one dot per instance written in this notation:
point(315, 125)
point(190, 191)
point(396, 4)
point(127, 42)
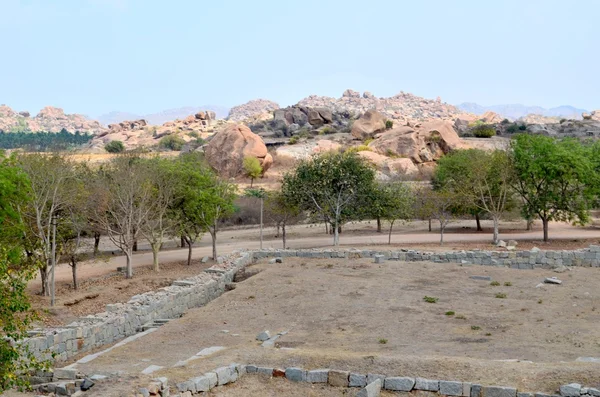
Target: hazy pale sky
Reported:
point(141, 56)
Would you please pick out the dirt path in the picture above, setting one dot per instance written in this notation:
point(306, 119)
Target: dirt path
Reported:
point(313, 236)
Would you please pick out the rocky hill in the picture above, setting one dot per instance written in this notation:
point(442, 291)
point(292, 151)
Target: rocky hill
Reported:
point(403, 106)
point(49, 119)
point(164, 116)
point(252, 110)
point(517, 111)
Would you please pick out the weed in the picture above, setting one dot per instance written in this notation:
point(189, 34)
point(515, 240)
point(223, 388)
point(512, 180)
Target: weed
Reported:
point(488, 334)
point(252, 297)
point(329, 266)
point(540, 302)
point(501, 295)
point(430, 299)
point(450, 313)
point(383, 341)
point(494, 283)
point(475, 327)
point(461, 317)
point(508, 284)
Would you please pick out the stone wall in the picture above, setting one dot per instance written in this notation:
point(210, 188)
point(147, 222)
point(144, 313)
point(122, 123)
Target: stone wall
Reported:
point(588, 257)
point(126, 319)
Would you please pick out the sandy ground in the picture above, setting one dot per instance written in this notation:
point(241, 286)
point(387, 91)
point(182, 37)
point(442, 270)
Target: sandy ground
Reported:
point(364, 317)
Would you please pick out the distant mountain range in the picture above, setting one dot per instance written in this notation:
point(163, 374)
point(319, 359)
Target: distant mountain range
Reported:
point(515, 111)
point(162, 117)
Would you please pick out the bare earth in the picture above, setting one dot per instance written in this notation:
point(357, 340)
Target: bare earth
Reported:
point(359, 316)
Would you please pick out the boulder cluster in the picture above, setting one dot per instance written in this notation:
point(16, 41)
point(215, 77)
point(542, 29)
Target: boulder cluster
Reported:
point(252, 110)
point(49, 119)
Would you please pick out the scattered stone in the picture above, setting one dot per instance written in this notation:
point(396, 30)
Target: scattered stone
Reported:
point(202, 383)
point(251, 369)
point(338, 378)
point(512, 243)
point(263, 336)
point(501, 243)
point(373, 389)
point(482, 278)
point(204, 259)
point(524, 395)
point(540, 285)
point(427, 384)
point(552, 280)
point(65, 374)
point(379, 258)
point(466, 389)
point(87, 384)
point(98, 377)
point(570, 390)
point(593, 392)
point(449, 388)
point(144, 392)
point(498, 391)
point(358, 380)
point(295, 374)
point(561, 269)
point(535, 249)
point(588, 359)
point(317, 376)
point(399, 384)
point(151, 369)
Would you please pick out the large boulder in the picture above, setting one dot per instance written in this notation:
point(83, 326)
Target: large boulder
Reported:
point(369, 124)
point(228, 148)
point(595, 115)
point(490, 117)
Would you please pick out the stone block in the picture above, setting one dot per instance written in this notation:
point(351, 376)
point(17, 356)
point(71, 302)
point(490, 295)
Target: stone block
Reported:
point(498, 391)
point(524, 395)
point(373, 389)
point(317, 376)
point(213, 379)
point(224, 375)
point(357, 380)
point(295, 374)
point(379, 258)
point(466, 386)
point(186, 386)
point(339, 378)
point(202, 383)
point(570, 390)
point(450, 388)
point(265, 371)
point(427, 384)
point(398, 383)
point(372, 377)
point(251, 369)
point(475, 391)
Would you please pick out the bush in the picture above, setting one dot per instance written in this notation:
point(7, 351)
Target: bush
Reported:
point(293, 140)
point(359, 148)
point(172, 142)
point(505, 121)
point(430, 299)
point(513, 128)
point(484, 131)
point(114, 147)
point(389, 124)
point(193, 134)
point(523, 127)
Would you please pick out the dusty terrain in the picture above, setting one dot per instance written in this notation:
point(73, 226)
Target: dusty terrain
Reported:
point(374, 319)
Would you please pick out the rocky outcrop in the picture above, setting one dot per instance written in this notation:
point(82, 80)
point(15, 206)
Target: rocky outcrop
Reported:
point(491, 118)
point(252, 109)
point(403, 106)
point(49, 119)
point(369, 124)
point(388, 165)
point(227, 149)
point(423, 143)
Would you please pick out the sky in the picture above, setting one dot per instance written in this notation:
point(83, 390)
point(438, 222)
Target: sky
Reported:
point(143, 56)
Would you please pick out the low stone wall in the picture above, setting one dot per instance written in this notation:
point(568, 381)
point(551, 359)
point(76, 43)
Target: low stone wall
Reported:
point(588, 257)
point(126, 319)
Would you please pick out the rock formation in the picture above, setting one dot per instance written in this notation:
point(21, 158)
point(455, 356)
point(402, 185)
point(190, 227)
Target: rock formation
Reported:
point(252, 109)
point(49, 119)
point(227, 149)
point(369, 124)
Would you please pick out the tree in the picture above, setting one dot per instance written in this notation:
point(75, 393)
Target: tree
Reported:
point(555, 178)
point(218, 203)
point(172, 142)
point(252, 168)
point(482, 179)
point(16, 361)
point(260, 194)
point(332, 185)
point(50, 177)
point(282, 211)
point(163, 181)
point(393, 201)
point(437, 204)
point(124, 202)
point(114, 147)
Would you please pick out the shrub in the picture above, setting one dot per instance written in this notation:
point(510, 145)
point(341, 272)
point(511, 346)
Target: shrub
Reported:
point(389, 124)
point(523, 127)
point(505, 121)
point(383, 341)
point(508, 284)
point(327, 130)
point(513, 128)
point(359, 148)
point(494, 283)
point(450, 313)
point(193, 134)
point(484, 131)
point(172, 142)
point(501, 295)
point(368, 140)
point(293, 140)
point(114, 147)
point(430, 299)
point(475, 327)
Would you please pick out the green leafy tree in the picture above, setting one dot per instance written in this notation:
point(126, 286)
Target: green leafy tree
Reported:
point(437, 204)
point(332, 185)
point(172, 142)
point(482, 179)
point(391, 201)
point(282, 211)
point(555, 178)
point(114, 147)
point(252, 168)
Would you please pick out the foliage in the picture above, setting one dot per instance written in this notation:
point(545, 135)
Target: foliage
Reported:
point(252, 168)
point(114, 147)
point(172, 142)
point(359, 148)
point(483, 131)
point(390, 201)
point(430, 299)
point(389, 124)
point(43, 141)
point(555, 178)
point(331, 185)
point(522, 127)
point(282, 211)
point(293, 140)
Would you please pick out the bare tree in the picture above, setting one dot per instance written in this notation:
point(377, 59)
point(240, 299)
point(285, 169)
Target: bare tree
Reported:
point(437, 204)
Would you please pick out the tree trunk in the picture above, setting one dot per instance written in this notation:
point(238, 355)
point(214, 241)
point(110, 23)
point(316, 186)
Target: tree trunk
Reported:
point(496, 231)
point(278, 228)
point(478, 221)
point(251, 182)
point(96, 243)
point(429, 224)
point(189, 261)
point(545, 225)
point(74, 270)
point(336, 234)
point(182, 242)
point(155, 249)
point(214, 244)
point(283, 236)
point(261, 224)
point(44, 278)
point(326, 228)
point(378, 225)
point(529, 225)
point(339, 229)
point(442, 227)
point(135, 245)
point(390, 235)
point(128, 255)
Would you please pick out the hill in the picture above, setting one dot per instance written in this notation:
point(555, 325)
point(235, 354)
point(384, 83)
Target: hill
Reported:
point(49, 119)
point(164, 116)
point(517, 111)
